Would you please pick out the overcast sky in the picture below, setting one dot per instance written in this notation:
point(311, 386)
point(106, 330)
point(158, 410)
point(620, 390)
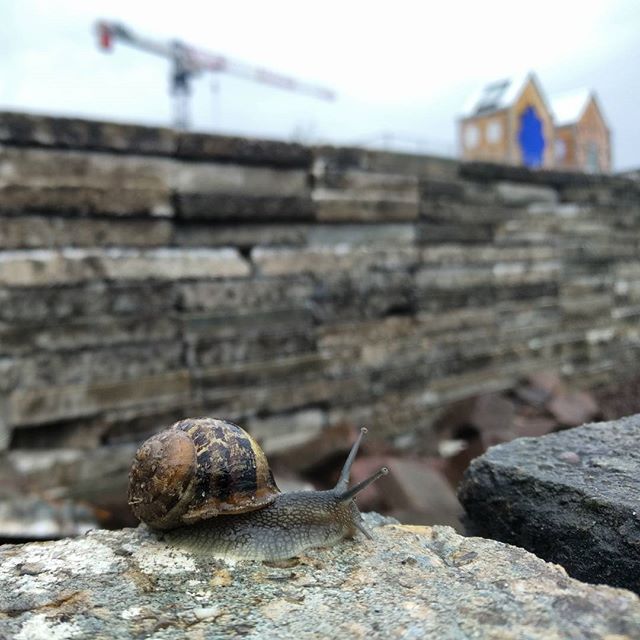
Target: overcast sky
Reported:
point(402, 70)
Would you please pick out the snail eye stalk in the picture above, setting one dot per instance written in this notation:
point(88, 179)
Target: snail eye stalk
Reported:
point(348, 494)
point(343, 481)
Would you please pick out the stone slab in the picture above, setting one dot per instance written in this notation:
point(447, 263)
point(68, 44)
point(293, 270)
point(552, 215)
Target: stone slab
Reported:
point(520, 194)
point(571, 497)
point(226, 207)
point(231, 178)
point(79, 183)
point(25, 129)
point(227, 341)
point(41, 267)
point(81, 333)
point(46, 304)
point(276, 394)
point(361, 234)
point(253, 374)
point(40, 406)
point(354, 182)
point(277, 433)
point(350, 295)
point(324, 259)
point(338, 159)
point(342, 207)
point(408, 582)
point(201, 233)
point(489, 171)
point(34, 232)
point(251, 151)
point(242, 296)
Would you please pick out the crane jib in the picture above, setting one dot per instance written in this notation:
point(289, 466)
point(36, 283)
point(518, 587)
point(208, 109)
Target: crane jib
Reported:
point(188, 60)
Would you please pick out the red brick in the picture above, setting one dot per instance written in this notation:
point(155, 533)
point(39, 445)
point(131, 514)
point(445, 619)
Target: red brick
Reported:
point(420, 495)
point(573, 409)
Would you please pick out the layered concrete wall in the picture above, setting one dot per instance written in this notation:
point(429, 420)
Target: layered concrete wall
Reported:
point(147, 275)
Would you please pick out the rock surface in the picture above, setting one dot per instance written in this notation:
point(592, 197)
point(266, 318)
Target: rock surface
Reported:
point(412, 582)
point(571, 497)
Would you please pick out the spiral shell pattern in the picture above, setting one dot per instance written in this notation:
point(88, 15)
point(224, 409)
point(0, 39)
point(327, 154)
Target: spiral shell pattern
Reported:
point(197, 469)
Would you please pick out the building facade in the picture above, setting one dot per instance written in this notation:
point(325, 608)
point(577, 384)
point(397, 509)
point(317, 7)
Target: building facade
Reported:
point(509, 122)
point(512, 122)
point(583, 139)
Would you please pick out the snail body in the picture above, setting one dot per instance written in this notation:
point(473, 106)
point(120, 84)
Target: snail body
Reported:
point(207, 484)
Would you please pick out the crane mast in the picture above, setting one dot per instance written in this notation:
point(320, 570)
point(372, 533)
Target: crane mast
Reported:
point(188, 61)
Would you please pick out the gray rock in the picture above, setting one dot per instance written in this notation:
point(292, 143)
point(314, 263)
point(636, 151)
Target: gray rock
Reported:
point(22, 129)
point(242, 150)
point(246, 235)
point(518, 194)
point(232, 206)
point(571, 497)
point(29, 517)
point(410, 582)
point(42, 267)
point(229, 179)
point(33, 232)
point(80, 183)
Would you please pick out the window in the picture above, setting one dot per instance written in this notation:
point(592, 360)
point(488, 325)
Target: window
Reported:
point(494, 131)
point(471, 136)
point(593, 161)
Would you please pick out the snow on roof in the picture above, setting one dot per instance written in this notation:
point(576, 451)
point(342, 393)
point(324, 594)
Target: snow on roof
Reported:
point(568, 107)
point(495, 96)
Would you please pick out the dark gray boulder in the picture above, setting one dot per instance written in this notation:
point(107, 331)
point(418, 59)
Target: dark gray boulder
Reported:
point(571, 497)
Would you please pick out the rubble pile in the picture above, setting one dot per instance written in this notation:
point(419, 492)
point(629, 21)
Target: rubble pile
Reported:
point(77, 490)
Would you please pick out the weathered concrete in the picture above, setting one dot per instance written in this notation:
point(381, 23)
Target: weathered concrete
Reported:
point(571, 497)
point(43, 267)
point(78, 183)
point(269, 279)
point(410, 582)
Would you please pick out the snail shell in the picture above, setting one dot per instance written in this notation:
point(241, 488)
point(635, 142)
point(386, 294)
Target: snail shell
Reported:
point(197, 469)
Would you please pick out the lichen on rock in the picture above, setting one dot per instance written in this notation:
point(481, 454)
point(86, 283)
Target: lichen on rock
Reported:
point(409, 582)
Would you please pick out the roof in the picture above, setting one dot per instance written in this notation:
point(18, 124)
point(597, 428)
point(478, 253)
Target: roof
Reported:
point(496, 95)
point(568, 107)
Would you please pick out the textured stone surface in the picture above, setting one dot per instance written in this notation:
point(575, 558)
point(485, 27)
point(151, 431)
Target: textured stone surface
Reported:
point(23, 129)
point(276, 262)
point(231, 178)
point(33, 232)
point(73, 182)
point(54, 402)
point(235, 206)
point(245, 150)
point(571, 497)
point(47, 267)
point(518, 194)
point(409, 582)
point(366, 196)
point(277, 279)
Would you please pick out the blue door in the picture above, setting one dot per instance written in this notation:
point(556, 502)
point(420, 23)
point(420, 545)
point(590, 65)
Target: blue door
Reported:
point(531, 138)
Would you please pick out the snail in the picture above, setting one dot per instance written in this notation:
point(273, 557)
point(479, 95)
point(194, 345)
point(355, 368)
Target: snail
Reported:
point(207, 485)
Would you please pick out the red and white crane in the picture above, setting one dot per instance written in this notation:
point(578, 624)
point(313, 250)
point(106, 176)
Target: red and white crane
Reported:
point(189, 61)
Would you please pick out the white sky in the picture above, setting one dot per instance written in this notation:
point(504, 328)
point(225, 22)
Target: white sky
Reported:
point(400, 68)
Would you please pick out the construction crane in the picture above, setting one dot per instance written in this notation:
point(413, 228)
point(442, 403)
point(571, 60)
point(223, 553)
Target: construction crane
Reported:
point(188, 61)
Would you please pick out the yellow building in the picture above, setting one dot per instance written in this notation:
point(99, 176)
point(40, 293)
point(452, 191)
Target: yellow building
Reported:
point(512, 122)
point(583, 139)
point(509, 122)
